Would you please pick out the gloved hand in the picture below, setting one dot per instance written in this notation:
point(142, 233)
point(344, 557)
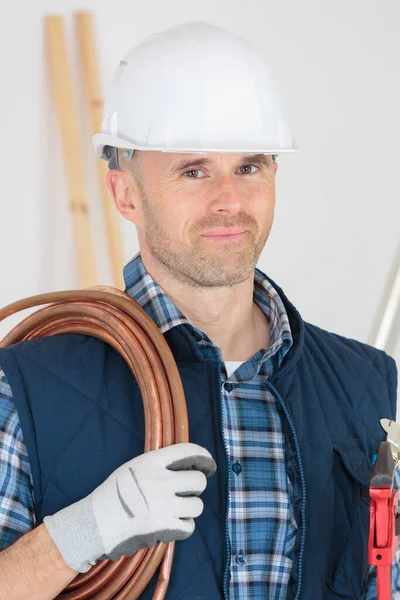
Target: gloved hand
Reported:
point(151, 498)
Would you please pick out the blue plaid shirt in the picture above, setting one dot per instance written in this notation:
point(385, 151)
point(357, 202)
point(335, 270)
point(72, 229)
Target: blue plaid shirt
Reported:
point(261, 523)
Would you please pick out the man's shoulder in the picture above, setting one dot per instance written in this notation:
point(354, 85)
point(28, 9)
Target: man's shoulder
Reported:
point(51, 342)
point(350, 353)
point(68, 357)
point(342, 343)
point(60, 349)
point(367, 374)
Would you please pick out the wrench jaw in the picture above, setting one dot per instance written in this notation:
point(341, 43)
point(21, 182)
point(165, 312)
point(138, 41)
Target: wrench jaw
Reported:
point(384, 520)
point(393, 437)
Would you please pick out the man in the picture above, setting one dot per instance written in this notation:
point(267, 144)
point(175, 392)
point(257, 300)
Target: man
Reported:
point(290, 412)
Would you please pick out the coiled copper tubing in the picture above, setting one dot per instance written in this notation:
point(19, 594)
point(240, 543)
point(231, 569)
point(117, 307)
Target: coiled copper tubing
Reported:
point(116, 318)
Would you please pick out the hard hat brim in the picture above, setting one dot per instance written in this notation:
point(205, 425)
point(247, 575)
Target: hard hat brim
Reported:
point(100, 140)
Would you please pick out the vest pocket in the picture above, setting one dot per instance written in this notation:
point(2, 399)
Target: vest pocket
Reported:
point(352, 471)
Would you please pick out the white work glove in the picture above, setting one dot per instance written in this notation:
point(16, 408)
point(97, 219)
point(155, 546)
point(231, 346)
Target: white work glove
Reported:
point(151, 498)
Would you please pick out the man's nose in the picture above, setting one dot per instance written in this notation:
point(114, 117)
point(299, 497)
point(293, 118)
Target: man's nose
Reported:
point(227, 193)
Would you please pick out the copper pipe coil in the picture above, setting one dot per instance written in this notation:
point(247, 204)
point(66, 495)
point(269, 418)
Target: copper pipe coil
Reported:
point(114, 317)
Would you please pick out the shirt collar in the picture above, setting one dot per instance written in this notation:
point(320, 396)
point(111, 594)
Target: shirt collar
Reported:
point(140, 285)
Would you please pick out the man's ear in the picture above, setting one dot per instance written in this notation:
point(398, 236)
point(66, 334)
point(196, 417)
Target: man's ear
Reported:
point(123, 189)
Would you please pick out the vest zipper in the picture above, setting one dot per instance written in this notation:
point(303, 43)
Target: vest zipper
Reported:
point(303, 483)
point(228, 481)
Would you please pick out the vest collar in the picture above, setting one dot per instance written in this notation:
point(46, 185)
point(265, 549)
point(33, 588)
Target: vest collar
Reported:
point(184, 345)
point(179, 333)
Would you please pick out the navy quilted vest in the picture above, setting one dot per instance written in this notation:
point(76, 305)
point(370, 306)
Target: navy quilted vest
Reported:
point(81, 415)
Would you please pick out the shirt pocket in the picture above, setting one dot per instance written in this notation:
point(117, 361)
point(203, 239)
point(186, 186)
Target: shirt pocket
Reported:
point(352, 472)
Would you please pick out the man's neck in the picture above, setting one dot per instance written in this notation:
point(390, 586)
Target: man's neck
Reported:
point(247, 342)
point(227, 315)
point(239, 329)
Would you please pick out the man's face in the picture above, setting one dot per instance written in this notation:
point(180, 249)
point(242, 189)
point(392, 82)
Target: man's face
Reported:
point(182, 199)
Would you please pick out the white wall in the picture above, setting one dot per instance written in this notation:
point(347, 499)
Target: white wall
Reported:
point(338, 210)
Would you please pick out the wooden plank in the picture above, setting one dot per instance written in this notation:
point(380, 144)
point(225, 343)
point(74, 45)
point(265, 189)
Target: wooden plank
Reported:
point(62, 85)
point(88, 57)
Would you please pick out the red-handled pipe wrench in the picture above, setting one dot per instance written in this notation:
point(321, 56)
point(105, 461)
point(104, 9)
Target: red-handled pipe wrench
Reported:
point(384, 521)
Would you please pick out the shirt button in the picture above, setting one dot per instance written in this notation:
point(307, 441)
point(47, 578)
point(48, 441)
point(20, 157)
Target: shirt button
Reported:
point(241, 559)
point(237, 468)
point(228, 387)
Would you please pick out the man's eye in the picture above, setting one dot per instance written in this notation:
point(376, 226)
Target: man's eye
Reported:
point(189, 173)
point(247, 167)
point(244, 169)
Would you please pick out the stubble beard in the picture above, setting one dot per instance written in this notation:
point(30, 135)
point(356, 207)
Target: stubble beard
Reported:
point(204, 263)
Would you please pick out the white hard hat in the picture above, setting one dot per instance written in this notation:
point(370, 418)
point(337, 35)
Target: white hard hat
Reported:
point(193, 88)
